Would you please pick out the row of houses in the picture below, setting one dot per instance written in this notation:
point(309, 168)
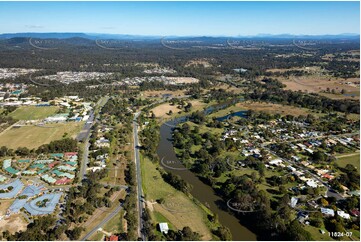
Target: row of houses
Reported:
point(55, 169)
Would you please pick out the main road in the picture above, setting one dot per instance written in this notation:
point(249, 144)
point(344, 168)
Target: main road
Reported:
point(139, 177)
point(138, 169)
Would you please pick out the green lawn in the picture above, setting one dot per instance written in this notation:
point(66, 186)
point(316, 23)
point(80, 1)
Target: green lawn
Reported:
point(115, 225)
point(316, 234)
point(97, 236)
point(353, 160)
point(33, 136)
point(178, 209)
point(33, 112)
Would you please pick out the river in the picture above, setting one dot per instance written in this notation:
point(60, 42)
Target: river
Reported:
point(201, 191)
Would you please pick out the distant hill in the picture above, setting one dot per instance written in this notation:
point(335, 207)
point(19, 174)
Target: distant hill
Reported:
point(93, 36)
point(76, 35)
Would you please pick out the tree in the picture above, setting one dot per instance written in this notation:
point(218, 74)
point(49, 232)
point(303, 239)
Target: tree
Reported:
point(75, 233)
point(283, 189)
point(324, 202)
point(296, 232)
point(223, 233)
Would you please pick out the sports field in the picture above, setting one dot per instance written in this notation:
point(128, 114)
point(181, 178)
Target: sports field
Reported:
point(34, 136)
point(33, 112)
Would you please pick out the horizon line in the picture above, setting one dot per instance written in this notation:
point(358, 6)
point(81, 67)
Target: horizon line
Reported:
point(201, 35)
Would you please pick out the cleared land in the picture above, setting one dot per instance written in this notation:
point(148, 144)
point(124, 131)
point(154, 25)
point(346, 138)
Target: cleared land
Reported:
point(162, 110)
point(4, 205)
point(265, 107)
point(161, 93)
point(183, 80)
point(353, 159)
point(309, 69)
point(203, 62)
point(34, 136)
point(33, 112)
point(14, 223)
point(317, 84)
point(177, 209)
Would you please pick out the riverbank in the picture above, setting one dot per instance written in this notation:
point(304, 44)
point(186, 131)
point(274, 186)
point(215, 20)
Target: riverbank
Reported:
point(166, 204)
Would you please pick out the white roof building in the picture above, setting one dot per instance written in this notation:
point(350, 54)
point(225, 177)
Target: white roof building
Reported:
point(312, 183)
point(163, 227)
point(328, 211)
point(294, 201)
point(275, 162)
point(342, 214)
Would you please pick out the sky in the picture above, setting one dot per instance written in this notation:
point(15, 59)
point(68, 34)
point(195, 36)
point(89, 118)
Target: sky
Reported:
point(182, 18)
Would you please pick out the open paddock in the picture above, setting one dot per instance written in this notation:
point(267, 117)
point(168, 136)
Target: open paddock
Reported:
point(316, 84)
point(270, 108)
point(177, 209)
point(34, 136)
point(162, 110)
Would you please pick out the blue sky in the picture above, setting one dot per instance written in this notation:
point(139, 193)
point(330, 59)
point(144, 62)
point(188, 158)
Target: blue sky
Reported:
point(181, 18)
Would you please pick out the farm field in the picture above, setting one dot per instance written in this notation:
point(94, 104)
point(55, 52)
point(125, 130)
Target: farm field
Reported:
point(317, 84)
point(34, 136)
point(177, 209)
point(33, 112)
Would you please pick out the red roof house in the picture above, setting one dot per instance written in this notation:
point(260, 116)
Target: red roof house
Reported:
point(112, 238)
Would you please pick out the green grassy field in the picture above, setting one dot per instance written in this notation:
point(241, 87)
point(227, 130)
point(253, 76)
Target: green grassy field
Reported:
point(177, 209)
point(33, 112)
point(115, 225)
point(316, 234)
point(352, 159)
point(34, 136)
point(98, 236)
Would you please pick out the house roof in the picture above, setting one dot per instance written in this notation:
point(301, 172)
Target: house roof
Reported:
point(112, 238)
point(17, 205)
point(49, 207)
point(328, 211)
point(163, 227)
point(17, 186)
